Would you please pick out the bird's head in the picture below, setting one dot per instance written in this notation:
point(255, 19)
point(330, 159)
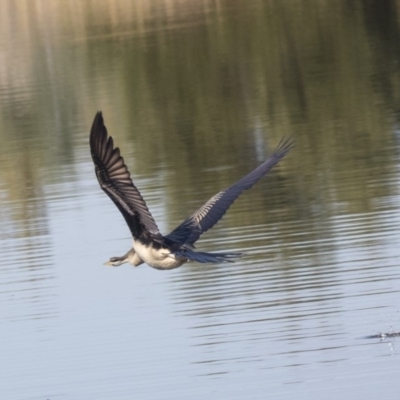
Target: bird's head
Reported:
point(115, 261)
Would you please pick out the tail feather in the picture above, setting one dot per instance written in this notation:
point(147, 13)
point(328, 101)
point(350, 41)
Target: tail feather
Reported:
point(203, 257)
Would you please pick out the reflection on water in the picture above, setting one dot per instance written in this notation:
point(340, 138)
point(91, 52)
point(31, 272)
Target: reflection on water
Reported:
point(197, 94)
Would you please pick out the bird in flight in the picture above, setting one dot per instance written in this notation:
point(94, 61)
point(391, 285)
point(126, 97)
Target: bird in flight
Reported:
point(149, 245)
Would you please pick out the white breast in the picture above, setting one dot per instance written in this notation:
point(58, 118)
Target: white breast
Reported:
point(157, 258)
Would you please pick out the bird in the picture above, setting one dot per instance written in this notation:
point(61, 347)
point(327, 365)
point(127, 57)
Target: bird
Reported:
point(149, 245)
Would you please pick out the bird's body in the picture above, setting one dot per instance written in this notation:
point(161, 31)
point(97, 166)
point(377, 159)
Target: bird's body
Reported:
point(149, 246)
point(162, 258)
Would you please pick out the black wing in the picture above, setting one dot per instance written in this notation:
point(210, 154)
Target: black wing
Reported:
point(211, 212)
point(115, 180)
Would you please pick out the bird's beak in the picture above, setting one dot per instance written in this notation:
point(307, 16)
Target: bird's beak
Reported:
point(108, 263)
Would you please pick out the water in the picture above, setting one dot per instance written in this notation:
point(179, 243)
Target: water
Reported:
point(196, 94)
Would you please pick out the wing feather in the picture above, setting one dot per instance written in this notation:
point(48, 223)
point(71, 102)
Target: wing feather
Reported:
point(114, 178)
point(189, 231)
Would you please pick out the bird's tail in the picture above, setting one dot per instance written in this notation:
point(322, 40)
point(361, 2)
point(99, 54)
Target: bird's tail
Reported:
point(203, 257)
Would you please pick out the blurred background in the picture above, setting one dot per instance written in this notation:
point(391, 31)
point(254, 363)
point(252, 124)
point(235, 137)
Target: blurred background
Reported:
point(196, 94)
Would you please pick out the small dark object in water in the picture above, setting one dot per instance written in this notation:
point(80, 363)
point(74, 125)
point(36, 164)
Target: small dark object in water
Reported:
point(383, 336)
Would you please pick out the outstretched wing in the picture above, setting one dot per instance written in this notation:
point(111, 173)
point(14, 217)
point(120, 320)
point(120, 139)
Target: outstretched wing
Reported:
point(211, 212)
point(115, 180)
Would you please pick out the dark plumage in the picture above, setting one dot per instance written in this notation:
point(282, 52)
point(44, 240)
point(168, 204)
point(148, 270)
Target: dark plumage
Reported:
point(174, 249)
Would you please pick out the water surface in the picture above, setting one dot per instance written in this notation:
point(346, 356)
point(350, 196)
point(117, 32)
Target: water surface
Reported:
point(197, 94)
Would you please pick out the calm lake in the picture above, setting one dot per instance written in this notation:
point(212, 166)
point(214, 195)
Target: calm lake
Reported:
point(197, 93)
